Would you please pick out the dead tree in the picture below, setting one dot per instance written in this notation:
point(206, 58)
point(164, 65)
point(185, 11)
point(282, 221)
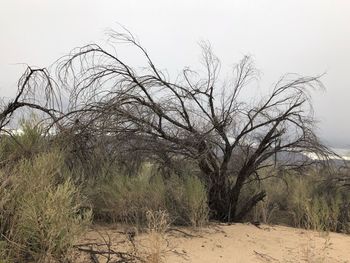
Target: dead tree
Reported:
point(36, 91)
point(196, 116)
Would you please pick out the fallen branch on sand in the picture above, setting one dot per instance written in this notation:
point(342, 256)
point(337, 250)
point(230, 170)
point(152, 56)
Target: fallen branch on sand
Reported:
point(182, 232)
point(265, 257)
point(122, 256)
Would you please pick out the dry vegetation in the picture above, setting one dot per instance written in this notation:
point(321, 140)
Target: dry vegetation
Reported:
point(120, 153)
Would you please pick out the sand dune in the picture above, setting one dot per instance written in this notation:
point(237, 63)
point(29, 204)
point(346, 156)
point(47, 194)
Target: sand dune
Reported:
point(236, 243)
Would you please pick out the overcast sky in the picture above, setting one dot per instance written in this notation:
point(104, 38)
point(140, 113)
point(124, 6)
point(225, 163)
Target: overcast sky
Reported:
point(308, 37)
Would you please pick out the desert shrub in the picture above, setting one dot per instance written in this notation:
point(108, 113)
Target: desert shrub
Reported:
point(322, 213)
point(25, 143)
point(157, 226)
point(121, 198)
point(187, 200)
point(196, 201)
point(312, 207)
point(308, 200)
point(266, 210)
point(6, 202)
point(42, 215)
point(344, 216)
point(116, 197)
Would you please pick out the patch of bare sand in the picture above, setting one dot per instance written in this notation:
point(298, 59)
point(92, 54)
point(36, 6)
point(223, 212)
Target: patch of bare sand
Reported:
point(232, 243)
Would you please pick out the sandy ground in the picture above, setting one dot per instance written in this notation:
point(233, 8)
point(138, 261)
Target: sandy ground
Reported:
point(225, 243)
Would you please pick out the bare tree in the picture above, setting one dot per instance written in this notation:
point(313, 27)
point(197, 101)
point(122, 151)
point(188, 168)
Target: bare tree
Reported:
point(36, 91)
point(196, 117)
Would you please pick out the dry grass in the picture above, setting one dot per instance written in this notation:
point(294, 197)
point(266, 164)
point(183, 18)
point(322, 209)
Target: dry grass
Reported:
point(126, 199)
point(156, 244)
point(312, 254)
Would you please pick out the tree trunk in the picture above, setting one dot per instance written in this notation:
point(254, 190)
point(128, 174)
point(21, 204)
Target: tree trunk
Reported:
point(223, 199)
point(218, 200)
point(249, 205)
point(234, 195)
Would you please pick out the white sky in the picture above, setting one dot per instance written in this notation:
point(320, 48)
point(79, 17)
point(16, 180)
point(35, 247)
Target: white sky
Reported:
point(284, 36)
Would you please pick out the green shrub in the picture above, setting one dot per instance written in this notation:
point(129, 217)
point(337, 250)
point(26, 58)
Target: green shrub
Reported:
point(26, 143)
point(312, 207)
point(187, 201)
point(311, 200)
point(42, 214)
point(122, 198)
point(196, 201)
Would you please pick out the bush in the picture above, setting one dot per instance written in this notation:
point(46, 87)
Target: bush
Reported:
point(307, 200)
point(121, 198)
point(187, 201)
point(157, 225)
point(41, 217)
point(26, 143)
point(313, 208)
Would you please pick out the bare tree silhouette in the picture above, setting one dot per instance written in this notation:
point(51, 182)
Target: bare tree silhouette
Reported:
point(37, 91)
point(196, 116)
